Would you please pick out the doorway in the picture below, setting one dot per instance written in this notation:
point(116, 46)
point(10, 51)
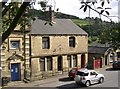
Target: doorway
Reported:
point(59, 63)
point(82, 60)
point(15, 72)
point(106, 62)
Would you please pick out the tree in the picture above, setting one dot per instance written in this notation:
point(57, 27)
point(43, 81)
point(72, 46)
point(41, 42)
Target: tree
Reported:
point(91, 6)
point(20, 12)
point(111, 34)
point(15, 18)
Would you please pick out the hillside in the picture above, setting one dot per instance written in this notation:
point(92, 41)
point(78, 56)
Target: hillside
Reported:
point(83, 22)
point(42, 15)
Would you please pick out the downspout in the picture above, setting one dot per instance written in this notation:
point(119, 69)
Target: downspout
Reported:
point(24, 55)
point(0, 64)
point(30, 55)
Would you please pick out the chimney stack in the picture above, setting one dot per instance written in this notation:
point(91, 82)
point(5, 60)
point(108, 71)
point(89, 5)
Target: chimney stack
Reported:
point(51, 14)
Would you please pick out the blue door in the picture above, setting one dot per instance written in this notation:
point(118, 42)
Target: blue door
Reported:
point(15, 72)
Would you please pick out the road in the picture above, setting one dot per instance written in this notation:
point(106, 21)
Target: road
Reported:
point(111, 80)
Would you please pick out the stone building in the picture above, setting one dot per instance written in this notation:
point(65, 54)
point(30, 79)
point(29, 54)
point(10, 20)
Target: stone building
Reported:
point(57, 47)
point(100, 54)
point(46, 50)
point(15, 55)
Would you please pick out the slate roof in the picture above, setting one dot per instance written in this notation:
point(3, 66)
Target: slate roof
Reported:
point(99, 44)
point(62, 26)
point(97, 50)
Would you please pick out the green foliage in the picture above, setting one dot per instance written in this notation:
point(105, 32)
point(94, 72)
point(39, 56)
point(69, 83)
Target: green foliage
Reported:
point(92, 39)
point(111, 35)
point(8, 18)
point(82, 22)
point(91, 25)
point(100, 31)
point(23, 22)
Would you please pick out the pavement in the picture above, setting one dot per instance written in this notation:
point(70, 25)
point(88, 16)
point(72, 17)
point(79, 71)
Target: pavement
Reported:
point(48, 80)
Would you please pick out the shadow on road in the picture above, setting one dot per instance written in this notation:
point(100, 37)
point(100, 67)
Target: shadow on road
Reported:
point(71, 85)
point(111, 69)
point(65, 79)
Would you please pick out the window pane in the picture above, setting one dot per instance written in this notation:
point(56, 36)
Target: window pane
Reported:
point(82, 73)
point(15, 44)
point(45, 42)
point(72, 41)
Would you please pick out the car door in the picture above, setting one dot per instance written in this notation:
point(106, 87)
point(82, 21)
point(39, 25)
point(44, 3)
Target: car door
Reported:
point(93, 77)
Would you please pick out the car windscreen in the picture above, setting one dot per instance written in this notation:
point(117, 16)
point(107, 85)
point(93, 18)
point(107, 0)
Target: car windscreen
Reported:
point(116, 62)
point(73, 70)
point(82, 73)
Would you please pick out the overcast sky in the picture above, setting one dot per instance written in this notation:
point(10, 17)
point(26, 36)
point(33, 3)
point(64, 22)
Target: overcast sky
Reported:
point(72, 7)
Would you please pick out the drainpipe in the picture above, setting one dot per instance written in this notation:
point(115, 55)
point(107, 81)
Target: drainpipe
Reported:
point(24, 55)
point(30, 50)
point(30, 59)
point(0, 68)
point(0, 50)
point(24, 50)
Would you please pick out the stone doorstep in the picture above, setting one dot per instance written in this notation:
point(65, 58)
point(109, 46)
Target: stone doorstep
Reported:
point(14, 83)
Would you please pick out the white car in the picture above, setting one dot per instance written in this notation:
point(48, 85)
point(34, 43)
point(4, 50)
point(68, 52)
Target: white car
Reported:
point(88, 77)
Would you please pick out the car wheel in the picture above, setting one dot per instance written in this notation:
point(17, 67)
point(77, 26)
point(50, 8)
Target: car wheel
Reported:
point(101, 80)
point(87, 84)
